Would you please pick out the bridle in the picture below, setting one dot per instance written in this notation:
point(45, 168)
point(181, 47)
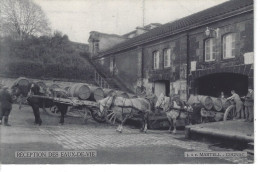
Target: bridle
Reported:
point(105, 106)
point(162, 101)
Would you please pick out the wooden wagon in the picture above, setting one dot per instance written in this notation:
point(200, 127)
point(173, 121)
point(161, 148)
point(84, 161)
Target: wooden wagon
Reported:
point(82, 108)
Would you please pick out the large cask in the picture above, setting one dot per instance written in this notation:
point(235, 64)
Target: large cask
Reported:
point(217, 104)
point(97, 93)
point(22, 81)
point(206, 101)
point(81, 91)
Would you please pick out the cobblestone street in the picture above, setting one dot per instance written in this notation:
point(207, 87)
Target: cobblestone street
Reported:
point(111, 147)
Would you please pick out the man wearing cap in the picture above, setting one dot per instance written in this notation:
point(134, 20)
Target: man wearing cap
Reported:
point(5, 105)
point(249, 105)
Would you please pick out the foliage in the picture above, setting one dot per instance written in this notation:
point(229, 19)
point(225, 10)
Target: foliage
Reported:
point(45, 57)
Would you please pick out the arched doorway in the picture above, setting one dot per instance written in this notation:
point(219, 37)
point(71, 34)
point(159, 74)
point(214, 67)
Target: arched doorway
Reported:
point(213, 84)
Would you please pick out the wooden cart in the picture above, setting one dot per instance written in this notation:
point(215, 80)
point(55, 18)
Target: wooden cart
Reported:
point(81, 108)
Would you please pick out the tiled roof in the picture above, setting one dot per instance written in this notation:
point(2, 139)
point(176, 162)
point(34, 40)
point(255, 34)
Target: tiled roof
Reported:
point(219, 12)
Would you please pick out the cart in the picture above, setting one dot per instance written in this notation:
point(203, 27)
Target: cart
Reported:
point(79, 108)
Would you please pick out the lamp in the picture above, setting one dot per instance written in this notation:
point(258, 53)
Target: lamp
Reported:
point(208, 31)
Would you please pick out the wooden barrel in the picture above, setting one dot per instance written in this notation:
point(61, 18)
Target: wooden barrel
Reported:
point(81, 91)
point(225, 103)
point(22, 81)
point(122, 94)
point(217, 104)
point(97, 93)
point(193, 100)
point(206, 101)
point(108, 92)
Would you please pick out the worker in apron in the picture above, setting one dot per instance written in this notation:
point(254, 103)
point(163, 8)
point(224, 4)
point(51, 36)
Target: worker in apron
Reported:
point(239, 104)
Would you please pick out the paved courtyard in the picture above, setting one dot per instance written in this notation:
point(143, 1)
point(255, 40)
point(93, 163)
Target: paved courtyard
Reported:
point(131, 146)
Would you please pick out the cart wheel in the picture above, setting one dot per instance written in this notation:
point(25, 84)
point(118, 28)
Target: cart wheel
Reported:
point(96, 117)
point(230, 113)
point(111, 117)
point(53, 111)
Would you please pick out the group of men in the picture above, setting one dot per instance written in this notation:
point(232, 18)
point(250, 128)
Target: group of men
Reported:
point(6, 102)
point(244, 110)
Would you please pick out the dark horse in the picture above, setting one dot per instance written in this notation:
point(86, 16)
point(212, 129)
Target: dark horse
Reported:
point(37, 102)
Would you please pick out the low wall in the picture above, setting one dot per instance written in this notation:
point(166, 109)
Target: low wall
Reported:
point(9, 81)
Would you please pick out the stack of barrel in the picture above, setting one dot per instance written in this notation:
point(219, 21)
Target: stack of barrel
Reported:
point(79, 90)
point(93, 93)
point(210, 103)
point(86, 92)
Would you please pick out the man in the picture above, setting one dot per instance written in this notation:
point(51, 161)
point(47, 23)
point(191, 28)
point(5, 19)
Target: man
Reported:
point(222, 95)
point(151, 97)
point(239, 104)
point(6, 105)
point(249, 105)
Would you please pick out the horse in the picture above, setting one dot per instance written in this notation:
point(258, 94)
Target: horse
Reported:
point(125, 108)
point(173, 111)
point(37, 102)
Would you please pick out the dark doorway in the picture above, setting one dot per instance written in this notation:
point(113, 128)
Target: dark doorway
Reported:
point(213, 84)
point(162, 86)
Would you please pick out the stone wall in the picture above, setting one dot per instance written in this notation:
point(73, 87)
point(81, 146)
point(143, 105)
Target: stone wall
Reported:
point(135, 66)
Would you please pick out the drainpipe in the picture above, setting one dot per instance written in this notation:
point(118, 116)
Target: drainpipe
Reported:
point(188, 67)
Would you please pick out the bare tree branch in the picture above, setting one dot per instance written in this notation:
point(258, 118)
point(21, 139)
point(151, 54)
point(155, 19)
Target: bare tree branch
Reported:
point(22, 18)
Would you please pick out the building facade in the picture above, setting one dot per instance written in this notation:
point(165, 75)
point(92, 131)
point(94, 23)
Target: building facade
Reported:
point(204, 53)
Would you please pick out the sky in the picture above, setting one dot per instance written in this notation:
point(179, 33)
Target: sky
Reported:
point(77, 18)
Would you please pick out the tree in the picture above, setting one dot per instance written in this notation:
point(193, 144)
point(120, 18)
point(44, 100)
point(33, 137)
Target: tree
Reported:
point(22, 18)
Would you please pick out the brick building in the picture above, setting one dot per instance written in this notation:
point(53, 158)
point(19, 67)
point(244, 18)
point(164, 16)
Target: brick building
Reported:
point(205, 53)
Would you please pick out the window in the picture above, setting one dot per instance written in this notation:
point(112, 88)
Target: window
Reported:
point(167, 58)
point(156, 60)
point(229, 46)
point(210, 49)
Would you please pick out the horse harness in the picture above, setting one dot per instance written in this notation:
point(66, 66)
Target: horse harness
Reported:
point(171, 107)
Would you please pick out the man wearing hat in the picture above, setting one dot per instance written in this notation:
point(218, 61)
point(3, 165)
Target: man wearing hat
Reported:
point(5, 105)
point(249, 105)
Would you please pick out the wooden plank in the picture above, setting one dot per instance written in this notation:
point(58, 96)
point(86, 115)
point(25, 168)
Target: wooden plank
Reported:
point(76, 102)
point(70, 101)
point(42, 97)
